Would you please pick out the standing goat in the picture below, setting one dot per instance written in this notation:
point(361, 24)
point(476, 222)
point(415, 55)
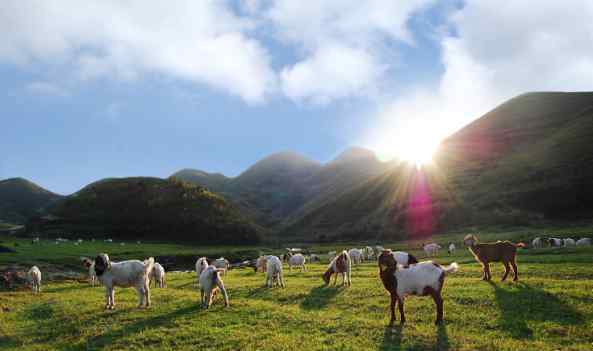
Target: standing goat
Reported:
point(210, 282)
point(355, 256)
point(274, 273)
point(158, 275)
point(90, 265)
point(341, 264)
point(125, 274)
point(201, 265)
point(424, 278)
point(297, 260)
point(500, 251)
point(34, 278)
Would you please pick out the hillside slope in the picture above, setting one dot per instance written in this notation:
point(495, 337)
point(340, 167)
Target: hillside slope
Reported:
point(530, 160)
point(21, 199)
point(152, 208)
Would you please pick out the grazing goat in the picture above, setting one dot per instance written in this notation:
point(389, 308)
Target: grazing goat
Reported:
point(355, 256)
point(537, 242)
point(341, 264)
point(90, 265)
point(568, 242)
point(424, 278)
point(260, 264)
point(451, 249)
point(297, 260)
point(222, 264)
point(274, 273)
point(500, 251)
point(158, 275)
point(34, 278)
point(431, 249)
point(210, 282)
point(584, 242)
point(125, 274)
point(555, 242)
point(201, 265)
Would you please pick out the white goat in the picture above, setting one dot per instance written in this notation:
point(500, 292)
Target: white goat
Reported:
point(158, 274)
point(537, 242)
point(125, 274)
point(210, 281)
point(297, 260)
point(555, 242)
point(274, 273)
point(201, 265)
point(568, 242)
point(403, 258)
point(431, 249)
point(370, 254)
point(584, 242)
point(34, 278)
point(424, 278)
point(355, 256)
point(341, 264)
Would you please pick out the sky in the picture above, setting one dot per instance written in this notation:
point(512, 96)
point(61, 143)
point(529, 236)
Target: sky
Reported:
point(127, 88)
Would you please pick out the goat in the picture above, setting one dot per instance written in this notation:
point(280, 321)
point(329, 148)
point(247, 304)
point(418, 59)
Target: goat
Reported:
point(210, 282)
point(90, 265)
point(297, 260)
point(201, 265)
point(260, 264)
point(355, 256)
point(555, 242)
point(34, 278)
point(274, 273)
point(125, 274)
point(403, 258)
point(314, 258)
point(424, 278)
point(222, 264)
point(341, 264)
point(158, 274)
point(451, 249)
point(431, 249)
point(537, 242)
point(584, 242)
point(370, 254)
point(500, 251)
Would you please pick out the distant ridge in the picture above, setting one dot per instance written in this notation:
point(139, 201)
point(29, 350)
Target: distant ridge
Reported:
point(21, 199)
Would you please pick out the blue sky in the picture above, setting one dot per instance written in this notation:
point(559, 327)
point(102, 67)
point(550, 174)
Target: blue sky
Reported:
point(124, 89)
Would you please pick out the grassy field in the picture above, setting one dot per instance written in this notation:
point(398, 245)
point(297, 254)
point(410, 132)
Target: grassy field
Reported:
point(551, 308)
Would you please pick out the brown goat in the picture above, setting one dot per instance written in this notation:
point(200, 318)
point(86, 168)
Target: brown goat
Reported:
point(500, 251)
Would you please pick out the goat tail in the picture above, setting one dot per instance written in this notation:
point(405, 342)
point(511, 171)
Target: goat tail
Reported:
point(452, 268)
point(148, 265)
point(520, 245)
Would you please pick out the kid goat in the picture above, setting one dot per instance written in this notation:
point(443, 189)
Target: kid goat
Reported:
point(424, 278)
point(341, 264)
point(500, 251)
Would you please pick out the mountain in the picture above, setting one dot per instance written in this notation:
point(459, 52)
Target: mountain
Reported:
point(21, 199)
point(530, 160)
point(150, 208)
point(284, 185)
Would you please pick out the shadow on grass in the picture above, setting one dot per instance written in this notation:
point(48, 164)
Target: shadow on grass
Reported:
point(393, 335)
point(392, 338)
point(106, 340)
point(520, 303)
point(320, 297)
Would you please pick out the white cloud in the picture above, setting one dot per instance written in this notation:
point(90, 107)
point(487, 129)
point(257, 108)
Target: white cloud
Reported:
point(500, 50)
point(46, 89)
point(342, 43)
point(199, 41)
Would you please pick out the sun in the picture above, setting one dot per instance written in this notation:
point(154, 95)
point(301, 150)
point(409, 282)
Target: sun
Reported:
point(415, 146)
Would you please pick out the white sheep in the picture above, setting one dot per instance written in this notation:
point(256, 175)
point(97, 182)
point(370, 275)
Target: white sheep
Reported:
point(222, 264)
point(424, 278)
point(355, 256)
point(297, 260)
point(537, 242)
point(158, 274)
point(431, 249)
point(125, 274)
point(274, 272)
point(584, 242)
point(34, 278)
point(90, 265)
point(568, 242)
point(210, 281)
point(451, 248)
point(341, 264)
point(201, 265)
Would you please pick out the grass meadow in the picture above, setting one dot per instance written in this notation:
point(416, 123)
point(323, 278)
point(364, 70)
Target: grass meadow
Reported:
point(551, 308)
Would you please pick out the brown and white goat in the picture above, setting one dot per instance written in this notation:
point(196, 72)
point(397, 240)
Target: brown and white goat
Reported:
point(340, 264)
point(500, 251)
point(424, 278)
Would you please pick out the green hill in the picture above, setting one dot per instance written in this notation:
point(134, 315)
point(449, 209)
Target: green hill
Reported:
point(528, 161)
point(151, 208)
point(21, 199)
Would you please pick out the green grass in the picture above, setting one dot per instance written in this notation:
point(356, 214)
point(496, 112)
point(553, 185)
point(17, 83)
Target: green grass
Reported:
point(551, 308)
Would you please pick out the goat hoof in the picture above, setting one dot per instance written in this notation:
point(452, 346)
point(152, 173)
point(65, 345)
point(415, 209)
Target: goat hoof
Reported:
point(438, 322)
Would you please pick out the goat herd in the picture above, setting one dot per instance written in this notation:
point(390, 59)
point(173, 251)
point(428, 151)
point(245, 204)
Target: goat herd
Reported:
point(400, 272)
